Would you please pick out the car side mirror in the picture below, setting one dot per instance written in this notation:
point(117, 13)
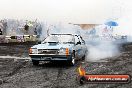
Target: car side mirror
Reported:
point(39, 42)
point(83, 42)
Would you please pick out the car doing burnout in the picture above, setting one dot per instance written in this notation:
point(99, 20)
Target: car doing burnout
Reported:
point(59, 47)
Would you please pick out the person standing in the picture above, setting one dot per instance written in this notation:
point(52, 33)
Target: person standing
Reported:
point(0, 32)
point(26, 28)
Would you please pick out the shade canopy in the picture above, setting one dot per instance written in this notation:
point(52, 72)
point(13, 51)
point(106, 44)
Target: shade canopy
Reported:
point(111, 23)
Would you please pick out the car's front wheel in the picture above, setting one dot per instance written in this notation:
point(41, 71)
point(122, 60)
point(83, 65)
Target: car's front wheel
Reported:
point(35, 62)
point(72, 61)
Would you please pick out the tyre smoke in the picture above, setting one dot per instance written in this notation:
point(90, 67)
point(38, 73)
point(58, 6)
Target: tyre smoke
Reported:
point(99, 44)
point(101, 51)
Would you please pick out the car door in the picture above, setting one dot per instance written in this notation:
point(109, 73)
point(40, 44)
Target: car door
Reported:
point(78, 48)
point(83, 46)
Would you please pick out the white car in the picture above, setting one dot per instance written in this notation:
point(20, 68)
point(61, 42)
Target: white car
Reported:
point(59, 47)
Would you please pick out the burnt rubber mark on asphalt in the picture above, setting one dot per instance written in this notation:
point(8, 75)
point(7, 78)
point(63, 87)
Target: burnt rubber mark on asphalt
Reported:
point(59, 73)
point(58, 79)
point(16, 68)
point(60, 76)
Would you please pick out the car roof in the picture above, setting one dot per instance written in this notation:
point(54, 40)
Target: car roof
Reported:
point(66, 34)
point(61, 34)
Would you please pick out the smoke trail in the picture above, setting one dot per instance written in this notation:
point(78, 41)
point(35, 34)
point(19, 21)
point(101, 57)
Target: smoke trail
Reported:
point(99, 47)
point(101, 50)
point(100, 43)
point(43, 33)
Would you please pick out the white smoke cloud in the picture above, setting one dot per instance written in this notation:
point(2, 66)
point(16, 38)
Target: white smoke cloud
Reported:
point(101, 50)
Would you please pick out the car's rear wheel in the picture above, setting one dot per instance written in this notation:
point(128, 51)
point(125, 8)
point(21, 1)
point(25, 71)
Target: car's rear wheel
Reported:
point(35, 62)
point(83, 58)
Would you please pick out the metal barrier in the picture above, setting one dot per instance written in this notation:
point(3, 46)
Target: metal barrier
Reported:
point(18, 38)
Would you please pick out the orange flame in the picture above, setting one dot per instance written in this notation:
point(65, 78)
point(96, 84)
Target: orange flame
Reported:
point(81, 71)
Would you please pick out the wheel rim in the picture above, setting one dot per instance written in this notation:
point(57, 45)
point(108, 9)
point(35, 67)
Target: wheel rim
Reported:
point(73, 61)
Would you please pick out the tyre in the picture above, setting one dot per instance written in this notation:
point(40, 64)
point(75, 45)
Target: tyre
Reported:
point(83, 58)
point(72, 61)
point(35, 62)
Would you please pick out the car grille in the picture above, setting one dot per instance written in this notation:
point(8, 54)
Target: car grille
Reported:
point(48, 51)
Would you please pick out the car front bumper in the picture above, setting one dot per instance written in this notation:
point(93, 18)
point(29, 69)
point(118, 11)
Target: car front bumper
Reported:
point(41, 57)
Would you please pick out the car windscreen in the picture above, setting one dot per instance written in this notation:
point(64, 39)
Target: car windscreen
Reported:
point(59, 39)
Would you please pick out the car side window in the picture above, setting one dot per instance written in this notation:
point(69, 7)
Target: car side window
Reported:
point(82, 41)
point(76, 40)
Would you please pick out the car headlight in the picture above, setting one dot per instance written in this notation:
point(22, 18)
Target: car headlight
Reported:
point(33, 50)
point(64, 51)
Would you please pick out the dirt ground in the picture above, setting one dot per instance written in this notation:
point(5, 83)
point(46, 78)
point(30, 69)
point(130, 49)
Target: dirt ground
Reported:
point(17, 71)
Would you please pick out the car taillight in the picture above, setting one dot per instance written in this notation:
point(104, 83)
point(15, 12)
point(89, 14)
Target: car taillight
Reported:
point(30, 50)
point(67, 51)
